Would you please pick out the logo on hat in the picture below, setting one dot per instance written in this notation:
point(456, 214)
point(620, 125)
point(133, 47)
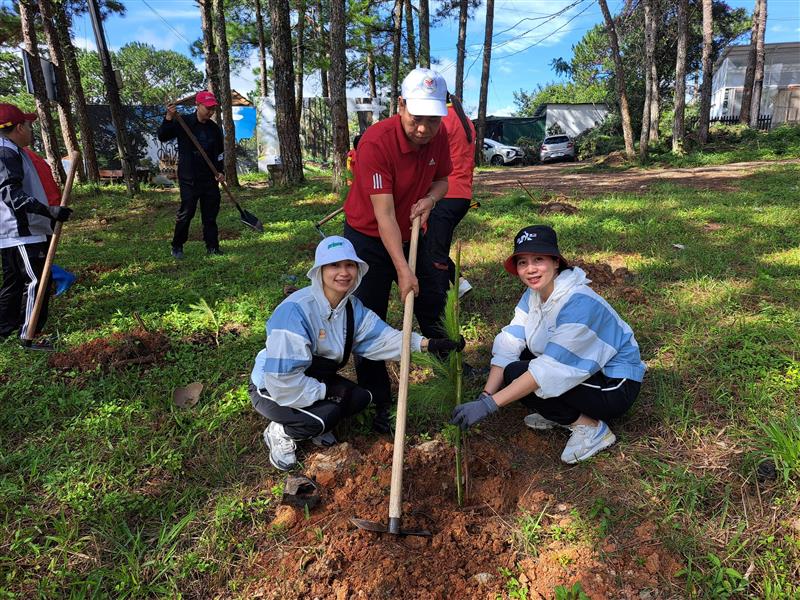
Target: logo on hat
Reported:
point(429, 85)
point(525, 237)
point(334, 245)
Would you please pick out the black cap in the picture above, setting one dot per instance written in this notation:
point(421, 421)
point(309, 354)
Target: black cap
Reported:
point(535, 239)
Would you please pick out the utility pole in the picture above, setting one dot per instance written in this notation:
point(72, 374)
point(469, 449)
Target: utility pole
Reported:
point(114, 101)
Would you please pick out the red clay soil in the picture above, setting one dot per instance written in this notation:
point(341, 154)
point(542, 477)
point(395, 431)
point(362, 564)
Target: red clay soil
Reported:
point(616, 283)
point(137, 347)
point(565, 180)
point(324, 556)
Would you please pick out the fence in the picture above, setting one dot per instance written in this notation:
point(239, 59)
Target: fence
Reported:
point(764, 121)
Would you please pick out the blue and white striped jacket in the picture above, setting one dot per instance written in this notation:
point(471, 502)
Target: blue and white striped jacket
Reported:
point(573, 335)
point(304, 325)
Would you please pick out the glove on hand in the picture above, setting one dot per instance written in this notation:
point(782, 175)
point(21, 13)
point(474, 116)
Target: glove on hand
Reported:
point(467, 414)
point(445, 345)
point(60, 213)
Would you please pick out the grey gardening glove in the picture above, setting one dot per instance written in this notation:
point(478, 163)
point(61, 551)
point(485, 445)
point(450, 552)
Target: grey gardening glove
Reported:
point(467, 414)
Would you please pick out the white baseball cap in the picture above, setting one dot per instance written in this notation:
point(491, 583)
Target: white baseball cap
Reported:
point(425, 93)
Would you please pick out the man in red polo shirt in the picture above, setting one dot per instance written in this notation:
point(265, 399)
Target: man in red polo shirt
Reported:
point(402, 169)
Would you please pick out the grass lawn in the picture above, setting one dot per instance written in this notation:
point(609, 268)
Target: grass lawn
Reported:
point(107, 489)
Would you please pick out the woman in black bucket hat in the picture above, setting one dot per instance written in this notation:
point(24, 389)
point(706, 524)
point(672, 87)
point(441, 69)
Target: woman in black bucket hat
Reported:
point(566, 355)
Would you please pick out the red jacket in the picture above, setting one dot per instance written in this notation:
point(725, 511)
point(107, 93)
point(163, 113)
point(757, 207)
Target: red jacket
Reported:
point(49, 184)
point(462, 154)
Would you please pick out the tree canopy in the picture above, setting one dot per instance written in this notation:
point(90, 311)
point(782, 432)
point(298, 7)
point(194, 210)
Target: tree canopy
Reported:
point(149, 76)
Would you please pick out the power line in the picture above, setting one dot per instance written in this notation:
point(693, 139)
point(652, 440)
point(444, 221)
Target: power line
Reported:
point(175, 31)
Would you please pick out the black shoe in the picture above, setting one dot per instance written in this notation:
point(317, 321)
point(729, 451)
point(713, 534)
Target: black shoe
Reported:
point(471, 372)
point(214, 252)
point(380, 421)
point(177, 253)
point(40, 344)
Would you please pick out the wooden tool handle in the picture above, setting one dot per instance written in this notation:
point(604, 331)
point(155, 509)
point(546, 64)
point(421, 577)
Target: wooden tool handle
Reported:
point(30, 331)
point(396, 492)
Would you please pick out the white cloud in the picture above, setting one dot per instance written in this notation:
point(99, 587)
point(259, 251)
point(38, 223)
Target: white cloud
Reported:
point(138, 14)
point(505, 111)
point(84, 43)
point(162, 39)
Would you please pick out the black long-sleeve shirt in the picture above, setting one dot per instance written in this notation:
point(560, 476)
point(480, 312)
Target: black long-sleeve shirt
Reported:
point(192, 168)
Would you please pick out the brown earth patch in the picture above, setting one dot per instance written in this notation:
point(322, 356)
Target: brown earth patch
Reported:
point(616, 282)
point(119, 350)
point(322, 555)
point(570, 181)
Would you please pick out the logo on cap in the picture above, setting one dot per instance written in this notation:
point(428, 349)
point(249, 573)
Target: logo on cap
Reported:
point(525, 237)
point(334, 245)
point(429, 85)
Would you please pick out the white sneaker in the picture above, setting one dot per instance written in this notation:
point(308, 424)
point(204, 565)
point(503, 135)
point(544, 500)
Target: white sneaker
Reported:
point(281, 447)
point(464, 287)
point(538, 422)
point(587, 441)
point(325, 440)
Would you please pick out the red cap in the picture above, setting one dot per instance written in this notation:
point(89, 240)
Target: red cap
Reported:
point(11, 115)
point(206, 99)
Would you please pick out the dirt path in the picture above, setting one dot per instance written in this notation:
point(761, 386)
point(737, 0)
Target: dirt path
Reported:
point(566, 179)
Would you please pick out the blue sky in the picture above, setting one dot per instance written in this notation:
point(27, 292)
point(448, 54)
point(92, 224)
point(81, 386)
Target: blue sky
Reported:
point(521, 53)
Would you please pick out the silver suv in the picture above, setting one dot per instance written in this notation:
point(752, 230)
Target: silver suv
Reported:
point(496, 153)
point(557, 146)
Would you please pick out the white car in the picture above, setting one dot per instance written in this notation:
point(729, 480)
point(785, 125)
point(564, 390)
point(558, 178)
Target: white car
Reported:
point(496, 153)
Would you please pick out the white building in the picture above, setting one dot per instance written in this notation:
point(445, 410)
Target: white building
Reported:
point(780, 97)
point(574, 119)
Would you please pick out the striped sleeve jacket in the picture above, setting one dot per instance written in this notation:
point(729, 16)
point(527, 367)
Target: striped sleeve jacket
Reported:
point(573, 335)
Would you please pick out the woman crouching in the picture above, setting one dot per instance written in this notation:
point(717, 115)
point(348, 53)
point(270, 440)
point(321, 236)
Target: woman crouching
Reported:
point(310, 336)
point(566, 355)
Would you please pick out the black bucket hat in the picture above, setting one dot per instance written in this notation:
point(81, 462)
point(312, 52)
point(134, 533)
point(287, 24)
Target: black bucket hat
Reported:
point(535, 239)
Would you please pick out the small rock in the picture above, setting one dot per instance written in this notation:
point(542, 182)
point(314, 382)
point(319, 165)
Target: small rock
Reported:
point(325, 478)
point(483, 578)
point(430, 448)
point(561, 507)
point(652, 563)
point(645, 595)
point(679, 246)
point(285, 517)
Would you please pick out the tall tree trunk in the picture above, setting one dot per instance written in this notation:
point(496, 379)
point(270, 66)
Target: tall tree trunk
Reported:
point(650, 84)
point(424, 34)
point(27, 10)
point(225, 97)
point(705, 89)
point(678, 130)
point(76, 87)
point(286, 119)
point(412, 42)
point(655, 90)
point(484, 93)
point(299, 59)
point(114, 100)
point(338, 81)
point(262, 51)
point(750, 73)
point(373, 83)
point(461, 46)
point(63, 101)
point(619, 75)
point(758, 79)
point(396, 32)
point(209, 47)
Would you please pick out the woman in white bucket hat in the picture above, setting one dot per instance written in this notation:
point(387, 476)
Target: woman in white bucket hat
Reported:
point(310, 336)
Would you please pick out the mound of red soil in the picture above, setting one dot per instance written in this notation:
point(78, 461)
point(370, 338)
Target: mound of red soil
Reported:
point(557, 207)
point(137, 347)
point(616, 282)
point(325, 556)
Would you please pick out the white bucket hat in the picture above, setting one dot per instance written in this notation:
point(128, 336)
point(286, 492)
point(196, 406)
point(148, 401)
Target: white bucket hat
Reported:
point(425, 93)
point(333, 249)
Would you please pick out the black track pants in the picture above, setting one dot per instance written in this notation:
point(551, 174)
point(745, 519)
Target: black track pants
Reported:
point(343, 398)
point(22, 272)
point(207, 194)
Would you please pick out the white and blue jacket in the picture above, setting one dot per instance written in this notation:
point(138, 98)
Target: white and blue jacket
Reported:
point(573, 335)
point(304, 325)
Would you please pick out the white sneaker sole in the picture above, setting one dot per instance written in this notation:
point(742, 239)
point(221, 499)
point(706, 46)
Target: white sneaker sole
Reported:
point(605, 442)
point(271, 460)
point(539, 424)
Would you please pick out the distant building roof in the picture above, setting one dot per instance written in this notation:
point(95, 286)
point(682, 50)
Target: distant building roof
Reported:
point(742, 50)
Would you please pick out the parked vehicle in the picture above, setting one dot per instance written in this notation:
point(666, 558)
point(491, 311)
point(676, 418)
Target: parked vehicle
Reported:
point(496, 153)
point(557, 147)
